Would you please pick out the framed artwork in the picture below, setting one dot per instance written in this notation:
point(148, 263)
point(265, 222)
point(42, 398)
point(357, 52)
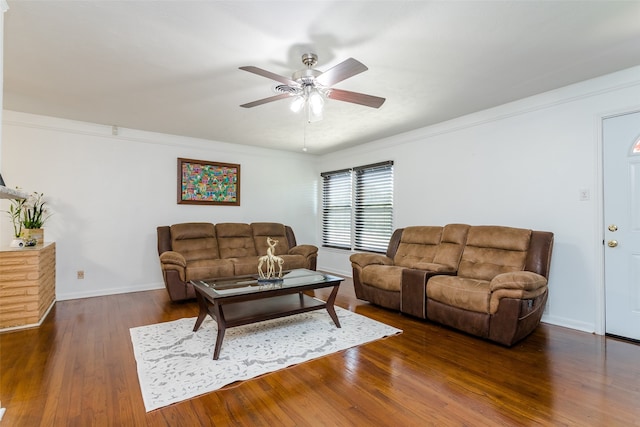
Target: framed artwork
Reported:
point(201, 182)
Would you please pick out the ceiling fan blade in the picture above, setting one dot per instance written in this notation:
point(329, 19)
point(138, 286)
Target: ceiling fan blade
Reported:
point(356, 98)
point(344, 70)
point(270, 75)
point(266, 100)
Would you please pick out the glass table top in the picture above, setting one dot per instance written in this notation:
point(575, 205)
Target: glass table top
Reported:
point(251, 284)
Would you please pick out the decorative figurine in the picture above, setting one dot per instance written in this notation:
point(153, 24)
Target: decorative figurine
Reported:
point(270, 259)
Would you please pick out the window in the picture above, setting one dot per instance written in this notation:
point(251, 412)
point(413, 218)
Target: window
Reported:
point(336, 209)
point(357, 207)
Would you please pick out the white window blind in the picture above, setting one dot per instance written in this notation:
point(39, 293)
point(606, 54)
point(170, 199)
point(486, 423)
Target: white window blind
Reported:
point(336, 209)
point(357, 207)
point(373, 218)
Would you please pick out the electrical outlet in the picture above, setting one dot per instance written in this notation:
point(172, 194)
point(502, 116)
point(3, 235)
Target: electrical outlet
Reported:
point(80, 274)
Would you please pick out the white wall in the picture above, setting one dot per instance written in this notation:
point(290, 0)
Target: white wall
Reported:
point(109, 193)
point(523, 165)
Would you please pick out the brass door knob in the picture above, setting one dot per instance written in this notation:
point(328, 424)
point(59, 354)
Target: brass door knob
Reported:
point(613, 227)
point(612, 243)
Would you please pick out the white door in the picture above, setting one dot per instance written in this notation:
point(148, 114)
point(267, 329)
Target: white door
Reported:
point(621, 154)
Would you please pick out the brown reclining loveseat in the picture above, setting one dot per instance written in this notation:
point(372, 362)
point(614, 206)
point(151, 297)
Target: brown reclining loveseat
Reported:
point(489, 281)
point(201, 250)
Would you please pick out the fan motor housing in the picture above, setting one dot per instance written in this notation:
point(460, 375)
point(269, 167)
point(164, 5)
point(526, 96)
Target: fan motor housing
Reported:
point(306, 76)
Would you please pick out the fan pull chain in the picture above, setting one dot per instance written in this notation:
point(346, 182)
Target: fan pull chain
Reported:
point(304, 138)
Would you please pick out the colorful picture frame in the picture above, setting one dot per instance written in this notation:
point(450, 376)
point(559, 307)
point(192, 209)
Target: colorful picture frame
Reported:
point(201, 182)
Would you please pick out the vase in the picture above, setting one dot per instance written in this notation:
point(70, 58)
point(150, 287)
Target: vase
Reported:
point(33, 233)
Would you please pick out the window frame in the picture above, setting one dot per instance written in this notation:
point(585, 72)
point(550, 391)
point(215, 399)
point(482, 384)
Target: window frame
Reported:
point(371, 202)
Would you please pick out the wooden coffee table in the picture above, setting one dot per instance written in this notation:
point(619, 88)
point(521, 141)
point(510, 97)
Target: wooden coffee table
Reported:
point(243, 300)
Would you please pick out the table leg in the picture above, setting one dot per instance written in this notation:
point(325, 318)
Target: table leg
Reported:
point(222, 327)
point(219, 338)
point(204, 310)
point(330, 308)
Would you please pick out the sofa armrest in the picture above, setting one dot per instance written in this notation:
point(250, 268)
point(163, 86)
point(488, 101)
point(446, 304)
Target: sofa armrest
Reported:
point(413, 290)
point(304, 250)
point(518, 280)
point(364, 259)
point(519, 285)
point(172, 257)
point(171, 260)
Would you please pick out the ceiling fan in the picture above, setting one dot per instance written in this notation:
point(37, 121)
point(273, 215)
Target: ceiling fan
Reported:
point(310, 86)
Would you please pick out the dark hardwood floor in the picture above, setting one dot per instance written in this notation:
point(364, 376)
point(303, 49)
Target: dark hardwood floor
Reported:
point(78, 369)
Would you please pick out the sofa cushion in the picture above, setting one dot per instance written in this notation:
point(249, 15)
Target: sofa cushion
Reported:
point(418, 245)
point(235, 240)
point(245, 265)
point(262, 230)
point(460, 292)
point(387, 277)
point(195, 241)
point(454, 237)
point(208, 269)
point(492, 250)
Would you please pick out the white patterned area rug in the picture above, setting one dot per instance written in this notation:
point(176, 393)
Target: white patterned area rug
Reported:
point(175, 363)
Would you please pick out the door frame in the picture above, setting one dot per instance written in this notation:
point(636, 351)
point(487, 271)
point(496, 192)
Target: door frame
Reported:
point(601, 312)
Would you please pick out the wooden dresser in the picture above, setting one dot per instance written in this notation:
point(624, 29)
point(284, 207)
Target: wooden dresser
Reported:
point(27, 285)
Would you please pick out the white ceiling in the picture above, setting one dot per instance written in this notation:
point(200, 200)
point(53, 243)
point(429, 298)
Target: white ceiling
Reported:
point(172, 66)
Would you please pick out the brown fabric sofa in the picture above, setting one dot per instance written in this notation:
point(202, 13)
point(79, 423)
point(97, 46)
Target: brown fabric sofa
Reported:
point(489, 281)
point(199, 250)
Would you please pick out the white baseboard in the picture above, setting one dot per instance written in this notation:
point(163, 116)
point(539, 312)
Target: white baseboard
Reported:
point(64, 296)
point(1, 413)
point(569, 323)
point(335, 271)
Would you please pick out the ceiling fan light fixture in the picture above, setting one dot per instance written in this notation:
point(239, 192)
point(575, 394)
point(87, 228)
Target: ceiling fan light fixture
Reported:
point(316, 102)
point(313, 115)
point(297, 104)
point(312, 100)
